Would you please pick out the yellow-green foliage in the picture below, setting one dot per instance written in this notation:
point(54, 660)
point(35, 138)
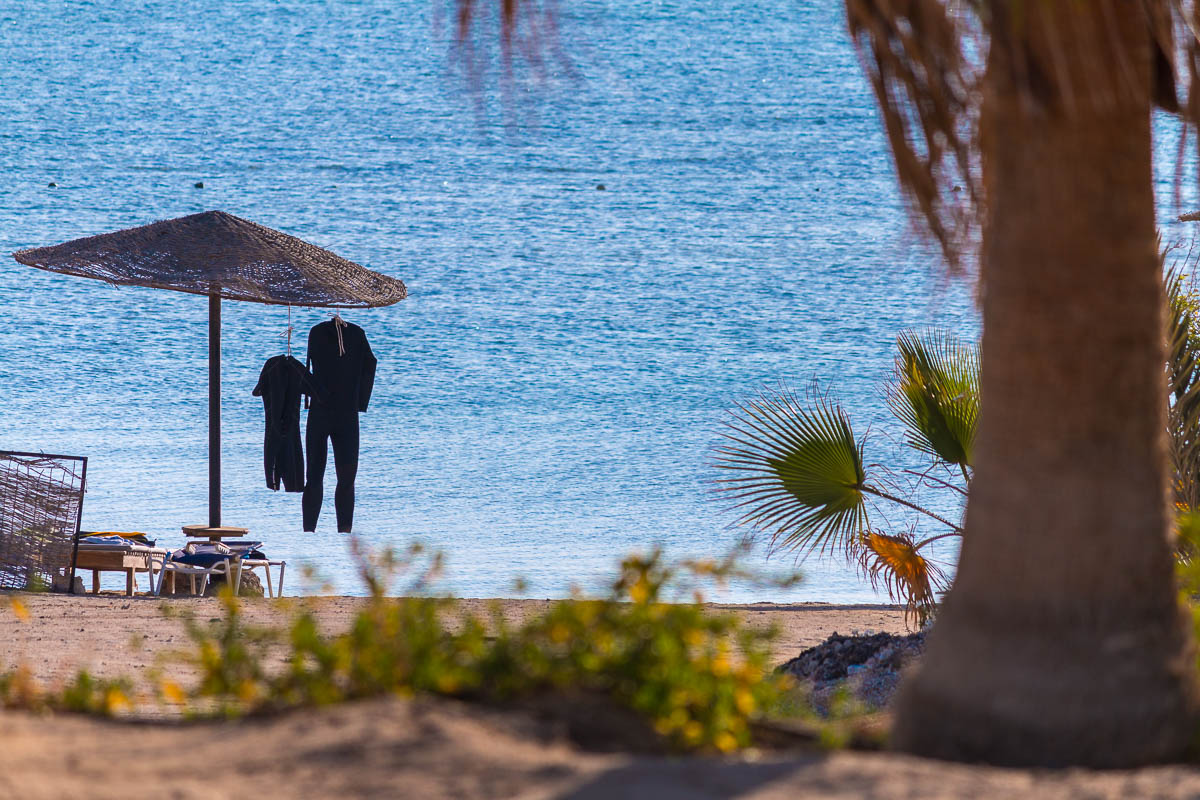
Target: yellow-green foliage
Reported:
point(1187, 566)
point(85, 694)
point(698, 677)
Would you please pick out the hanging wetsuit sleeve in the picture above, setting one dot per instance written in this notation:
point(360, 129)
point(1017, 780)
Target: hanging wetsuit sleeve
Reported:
point(308, 384)
point(366, 378)
point(308, 368)
point(306, 387)
point(260, 387)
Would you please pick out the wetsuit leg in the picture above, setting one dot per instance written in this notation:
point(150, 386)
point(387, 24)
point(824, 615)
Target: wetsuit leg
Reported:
point(316, 442)
point(345, 463)
point(291, 459)
point(270, 455)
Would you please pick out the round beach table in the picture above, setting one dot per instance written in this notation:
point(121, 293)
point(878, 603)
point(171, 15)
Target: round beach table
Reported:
point(215, 534)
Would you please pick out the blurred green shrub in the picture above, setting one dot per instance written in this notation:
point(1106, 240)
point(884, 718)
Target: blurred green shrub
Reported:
point(699, 678)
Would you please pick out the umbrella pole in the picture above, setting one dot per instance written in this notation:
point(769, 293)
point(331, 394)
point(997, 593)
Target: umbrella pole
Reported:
point(214, 411)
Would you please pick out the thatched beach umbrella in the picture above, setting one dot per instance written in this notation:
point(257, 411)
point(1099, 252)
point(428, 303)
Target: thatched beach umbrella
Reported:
point(220, 255)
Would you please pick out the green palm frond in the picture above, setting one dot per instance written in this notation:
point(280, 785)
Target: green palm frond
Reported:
point(934, 391)
point(799, 472)
point(1183, 384)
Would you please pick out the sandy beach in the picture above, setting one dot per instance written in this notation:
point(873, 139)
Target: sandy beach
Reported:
point(435, 749)
point(111, 636)
point(430, 748)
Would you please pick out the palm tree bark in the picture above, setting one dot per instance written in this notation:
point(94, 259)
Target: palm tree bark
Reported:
point(1062, 640)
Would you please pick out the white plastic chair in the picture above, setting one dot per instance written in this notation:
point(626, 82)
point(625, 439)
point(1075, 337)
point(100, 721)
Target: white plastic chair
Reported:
point(242, 549)
point(225, 567)
point(266, 564)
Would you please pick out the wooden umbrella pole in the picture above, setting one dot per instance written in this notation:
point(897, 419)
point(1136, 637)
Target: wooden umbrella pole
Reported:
point(214, 411)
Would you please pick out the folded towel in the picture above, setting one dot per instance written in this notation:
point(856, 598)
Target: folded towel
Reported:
point(116, 541)
point(199, 559)
point(205, 554)
point(115, 537)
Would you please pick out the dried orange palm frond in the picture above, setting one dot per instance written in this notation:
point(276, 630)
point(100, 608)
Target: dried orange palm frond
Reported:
point(910, 578)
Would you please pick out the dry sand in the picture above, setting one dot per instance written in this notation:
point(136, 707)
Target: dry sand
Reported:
point(111, 636)
point(437, 748)
point(441, 749)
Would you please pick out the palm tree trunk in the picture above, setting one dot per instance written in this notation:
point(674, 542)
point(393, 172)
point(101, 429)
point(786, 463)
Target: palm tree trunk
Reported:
point(1062, 641)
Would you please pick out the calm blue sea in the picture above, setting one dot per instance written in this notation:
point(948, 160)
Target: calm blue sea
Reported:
point(549, 396)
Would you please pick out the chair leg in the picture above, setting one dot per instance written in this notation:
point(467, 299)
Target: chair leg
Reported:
point(267, 569)
point(192, 578)
point(281, 566)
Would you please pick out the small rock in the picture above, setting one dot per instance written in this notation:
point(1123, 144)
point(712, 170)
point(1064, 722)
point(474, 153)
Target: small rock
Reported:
point(52, 185)
point(251, 586)
point(199, 184)
point(600, 187)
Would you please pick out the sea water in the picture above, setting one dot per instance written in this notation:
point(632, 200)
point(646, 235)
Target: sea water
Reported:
point(689, 201)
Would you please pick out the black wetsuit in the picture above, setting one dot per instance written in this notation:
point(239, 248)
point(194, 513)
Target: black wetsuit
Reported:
point(343, 382)
point(280, 384)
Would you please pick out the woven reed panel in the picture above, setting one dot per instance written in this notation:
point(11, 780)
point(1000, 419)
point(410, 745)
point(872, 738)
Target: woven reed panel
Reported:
point(40, 498)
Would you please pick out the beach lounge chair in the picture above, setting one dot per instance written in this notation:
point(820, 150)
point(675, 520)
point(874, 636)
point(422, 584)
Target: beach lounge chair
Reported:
point(112, 551)
point(266, 564)
point(203, 560)
point(251, 557)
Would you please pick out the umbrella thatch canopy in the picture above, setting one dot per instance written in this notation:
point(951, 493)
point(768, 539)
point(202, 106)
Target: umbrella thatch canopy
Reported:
point(219, 255)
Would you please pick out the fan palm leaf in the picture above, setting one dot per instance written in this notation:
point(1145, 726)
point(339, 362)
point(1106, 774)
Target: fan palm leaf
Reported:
point(798, 472)
point(934, 391)
point(895, 562)
point(1183, 383)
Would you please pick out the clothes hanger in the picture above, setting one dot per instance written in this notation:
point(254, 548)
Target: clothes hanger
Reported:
point(287, 332)
point(338, 324)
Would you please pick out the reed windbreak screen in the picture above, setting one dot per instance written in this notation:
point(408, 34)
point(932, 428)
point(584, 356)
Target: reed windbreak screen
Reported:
point(41, 497)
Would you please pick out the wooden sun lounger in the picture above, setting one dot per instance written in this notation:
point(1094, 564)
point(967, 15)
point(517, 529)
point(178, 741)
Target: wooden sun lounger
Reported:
point(130, 559)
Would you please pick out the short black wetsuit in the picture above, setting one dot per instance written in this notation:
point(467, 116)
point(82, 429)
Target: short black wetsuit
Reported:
point(280, 384)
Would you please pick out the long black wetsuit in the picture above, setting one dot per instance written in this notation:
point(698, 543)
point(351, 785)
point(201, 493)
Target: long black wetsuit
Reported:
point(343, 382)
point(280, 384)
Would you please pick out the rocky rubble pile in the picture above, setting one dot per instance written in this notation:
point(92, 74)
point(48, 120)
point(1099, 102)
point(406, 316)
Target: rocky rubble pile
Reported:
point(868, 665)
